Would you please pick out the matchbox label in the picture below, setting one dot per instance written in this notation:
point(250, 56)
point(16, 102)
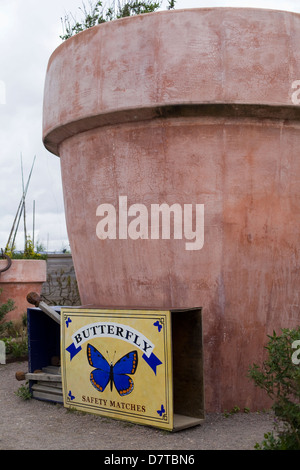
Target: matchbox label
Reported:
point(118, 364)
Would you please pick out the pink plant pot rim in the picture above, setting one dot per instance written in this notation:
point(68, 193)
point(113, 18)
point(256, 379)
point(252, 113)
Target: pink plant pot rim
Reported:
point(24, 271)
point(208, 61)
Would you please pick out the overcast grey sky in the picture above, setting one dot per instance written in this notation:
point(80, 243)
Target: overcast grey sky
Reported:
point(29, 33)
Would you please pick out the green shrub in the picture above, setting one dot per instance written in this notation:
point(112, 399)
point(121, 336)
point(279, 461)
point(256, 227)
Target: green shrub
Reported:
point(279, 376)
point(4, 309)
point(13, 334)
point(16, 347)
point(97, 14)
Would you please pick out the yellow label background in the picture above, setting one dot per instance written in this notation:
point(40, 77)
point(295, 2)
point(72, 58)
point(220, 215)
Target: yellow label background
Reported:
point(150, 392)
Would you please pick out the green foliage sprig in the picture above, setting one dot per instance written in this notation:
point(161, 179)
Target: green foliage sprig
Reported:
point(96, 14)
point(280, 378)
point(28, 253)
point(24, 392)
point(6, 307)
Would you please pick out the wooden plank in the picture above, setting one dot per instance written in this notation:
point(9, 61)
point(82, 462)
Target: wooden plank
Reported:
point(47, 392)
point(46, 389)
point(47, 396)
point(43, 376)
point(52, 370)
point(52, 384)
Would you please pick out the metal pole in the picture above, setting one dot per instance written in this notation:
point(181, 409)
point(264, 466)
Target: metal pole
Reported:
point(19, 213)
point(33, 223)
point(24, 208)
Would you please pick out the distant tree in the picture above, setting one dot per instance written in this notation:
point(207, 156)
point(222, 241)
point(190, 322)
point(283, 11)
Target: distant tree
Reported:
point(95, 13)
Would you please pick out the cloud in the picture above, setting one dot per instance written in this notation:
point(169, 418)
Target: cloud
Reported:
point(29, 33)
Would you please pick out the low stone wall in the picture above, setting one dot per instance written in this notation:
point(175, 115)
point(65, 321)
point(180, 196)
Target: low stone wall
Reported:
point(61, 285)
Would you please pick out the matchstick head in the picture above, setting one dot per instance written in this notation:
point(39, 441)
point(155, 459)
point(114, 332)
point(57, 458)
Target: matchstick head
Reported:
point(33, 298)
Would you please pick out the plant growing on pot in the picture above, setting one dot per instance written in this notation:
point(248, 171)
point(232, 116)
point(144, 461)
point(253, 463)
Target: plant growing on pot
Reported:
point(97, 14)
point(28, 253)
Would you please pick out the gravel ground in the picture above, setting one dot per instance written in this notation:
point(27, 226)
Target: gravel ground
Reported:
point(38, 425)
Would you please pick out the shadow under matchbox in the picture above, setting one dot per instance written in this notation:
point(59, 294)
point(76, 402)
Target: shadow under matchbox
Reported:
point(142, 366)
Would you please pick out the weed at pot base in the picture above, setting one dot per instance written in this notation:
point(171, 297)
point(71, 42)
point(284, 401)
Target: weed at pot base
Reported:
point(24, 392)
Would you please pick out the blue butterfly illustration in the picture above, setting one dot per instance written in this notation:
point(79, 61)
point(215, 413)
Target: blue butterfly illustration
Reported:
point(159, 326)
point(105, 373)
point(161, 411)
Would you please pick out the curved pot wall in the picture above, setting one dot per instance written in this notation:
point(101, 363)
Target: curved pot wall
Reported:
point(191, 108)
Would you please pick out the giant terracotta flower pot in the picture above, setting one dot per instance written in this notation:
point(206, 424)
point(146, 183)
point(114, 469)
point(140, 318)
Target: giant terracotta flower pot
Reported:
point(23, 276)
point(192, 108)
